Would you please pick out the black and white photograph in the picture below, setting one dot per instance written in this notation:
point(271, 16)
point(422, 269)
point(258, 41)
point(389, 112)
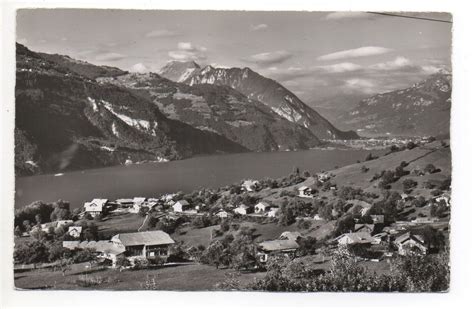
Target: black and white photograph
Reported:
point(213, 150)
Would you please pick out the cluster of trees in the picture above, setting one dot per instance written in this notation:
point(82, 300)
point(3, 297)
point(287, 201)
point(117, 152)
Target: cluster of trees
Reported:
point(238, 252)
point(40, 212)
point(42, 251)
point(388, 176)
point(410, 274)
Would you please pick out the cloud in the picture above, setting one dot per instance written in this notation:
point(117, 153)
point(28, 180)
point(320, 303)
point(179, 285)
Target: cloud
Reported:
point(187, 51)
point(269, 58)
point(355, 53)
point(361, 84)
point(258, 27)
point(346, 15)
point(341, 67)
point(432, 69)
point(398, 63)
point(139, 68)
point(162, 33)
point(109, 56)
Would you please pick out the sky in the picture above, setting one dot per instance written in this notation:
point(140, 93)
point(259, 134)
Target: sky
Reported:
point(322, 57)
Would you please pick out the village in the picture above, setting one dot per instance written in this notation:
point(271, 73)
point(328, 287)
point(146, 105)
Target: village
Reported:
point(242, 227)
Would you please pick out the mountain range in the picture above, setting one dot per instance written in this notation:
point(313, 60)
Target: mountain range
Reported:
point(74, 115)
point(65, 120)
point(421, 109)
point(257, 87)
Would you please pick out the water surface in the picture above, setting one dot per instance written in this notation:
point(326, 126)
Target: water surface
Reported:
point(153, 179)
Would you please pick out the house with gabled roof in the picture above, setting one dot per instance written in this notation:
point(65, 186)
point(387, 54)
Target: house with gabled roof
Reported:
point(285, 247)
point(147, 244)
point(355, 238)
point(262, 207)
point(75, 231)
point(104, 248)
point(305, 191)
point(95, 207)
point(243, 209)
point(273, 212)
point(250, 185)
point(181, 206)
point(410, 243)
point(222, 214)
point(364, 227)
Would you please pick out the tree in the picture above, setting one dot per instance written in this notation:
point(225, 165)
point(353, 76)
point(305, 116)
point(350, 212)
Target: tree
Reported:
point(431, 169)
point(214, 254)
point(143, 211)
point(411, 145)
point(408, 185)
point(287, 215)
point(32, 252)
point(122, 262)
point(57, 251)
point(61, 211)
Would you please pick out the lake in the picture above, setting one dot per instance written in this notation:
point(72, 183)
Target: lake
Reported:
point(154, 179)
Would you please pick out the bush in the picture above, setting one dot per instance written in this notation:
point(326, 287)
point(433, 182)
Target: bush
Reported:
point(370, 157)
point(140, 263)
point(408, 185)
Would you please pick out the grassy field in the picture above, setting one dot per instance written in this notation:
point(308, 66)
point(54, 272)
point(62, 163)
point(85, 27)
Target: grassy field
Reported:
point(191, 277)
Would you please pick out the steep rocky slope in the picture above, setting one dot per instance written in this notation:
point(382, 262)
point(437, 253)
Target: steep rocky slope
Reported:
point(219, 109)
point(422, 109)
point(257, 87)
point(65, 120)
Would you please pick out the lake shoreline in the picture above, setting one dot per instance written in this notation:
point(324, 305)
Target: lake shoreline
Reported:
point(151, 179)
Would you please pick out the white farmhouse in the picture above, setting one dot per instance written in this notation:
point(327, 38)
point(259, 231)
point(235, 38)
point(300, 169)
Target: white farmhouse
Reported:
point(262, 207)
point(181, 206)
point(95, 207)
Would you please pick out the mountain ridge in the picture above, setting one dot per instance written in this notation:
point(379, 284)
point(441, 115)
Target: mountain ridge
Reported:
point(66, 121)
point(421, 109)
point(269, 92)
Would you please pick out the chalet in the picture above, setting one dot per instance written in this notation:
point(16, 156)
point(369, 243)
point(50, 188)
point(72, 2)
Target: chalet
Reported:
point(144, 244)
point(409, 243)
point(285, 247)
point(305, 191)
point(355, 238)
point(262, 207)
point(96, 207)
point(369, 228)
point(250, 185)
point(273, 212)
point(104, 248)
point(75, 231)
point(139, 201)
point(378, 219)
point(243, 209)
point(181, 206)
point(125, 202)
point(222, 214)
